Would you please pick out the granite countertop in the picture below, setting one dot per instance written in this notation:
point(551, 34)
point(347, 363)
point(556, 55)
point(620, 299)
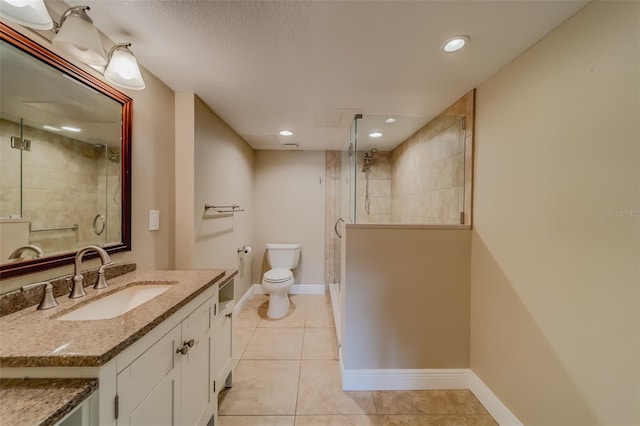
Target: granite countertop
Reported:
point(41, 401)
point(33, 338)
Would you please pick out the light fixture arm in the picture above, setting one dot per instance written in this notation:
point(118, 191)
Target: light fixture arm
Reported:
point(79, 11)
point(118, 46)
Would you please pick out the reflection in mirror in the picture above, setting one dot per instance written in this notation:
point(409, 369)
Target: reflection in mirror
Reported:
point(63, 161)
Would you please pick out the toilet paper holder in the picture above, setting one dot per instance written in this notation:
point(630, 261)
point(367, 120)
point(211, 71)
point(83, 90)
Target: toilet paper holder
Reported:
point(244, 249)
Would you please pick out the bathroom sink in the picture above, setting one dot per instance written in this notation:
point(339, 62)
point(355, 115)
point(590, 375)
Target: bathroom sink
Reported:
point(117, 303)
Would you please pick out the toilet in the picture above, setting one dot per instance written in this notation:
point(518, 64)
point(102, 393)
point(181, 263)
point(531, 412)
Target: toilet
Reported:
point(278, 280)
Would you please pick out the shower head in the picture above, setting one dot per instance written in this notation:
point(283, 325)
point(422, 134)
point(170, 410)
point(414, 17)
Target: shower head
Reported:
point(114, 155)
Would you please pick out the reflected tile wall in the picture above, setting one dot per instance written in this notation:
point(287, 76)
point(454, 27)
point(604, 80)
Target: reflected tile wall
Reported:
point(64, 183)
point(9, 171)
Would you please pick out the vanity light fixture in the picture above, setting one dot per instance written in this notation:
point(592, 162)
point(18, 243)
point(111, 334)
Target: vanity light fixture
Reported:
point(123, 68)
point(455, 43)
point(375, 134)
point(52, 128)
point(286, 132)
point(30, 13)
point(71, 129)
point(390, 120)
point(78, 37)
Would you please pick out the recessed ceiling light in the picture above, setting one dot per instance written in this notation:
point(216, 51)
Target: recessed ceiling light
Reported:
point(286, 132)
point(71, 129)
point(375, 134)
point(455, 43)
point(390, 120)
point(52, 128)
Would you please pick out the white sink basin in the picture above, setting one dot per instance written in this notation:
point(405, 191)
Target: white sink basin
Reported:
point(116, 304)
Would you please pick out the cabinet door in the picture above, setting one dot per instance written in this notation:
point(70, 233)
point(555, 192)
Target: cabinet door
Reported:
point(196, 387)
point(222, 347)
point(148, 387)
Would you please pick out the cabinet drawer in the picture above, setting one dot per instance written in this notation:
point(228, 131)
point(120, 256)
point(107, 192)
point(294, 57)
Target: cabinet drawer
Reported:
point(198, 323)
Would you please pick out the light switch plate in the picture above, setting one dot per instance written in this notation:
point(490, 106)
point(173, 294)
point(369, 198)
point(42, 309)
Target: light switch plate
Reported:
point(154, 220)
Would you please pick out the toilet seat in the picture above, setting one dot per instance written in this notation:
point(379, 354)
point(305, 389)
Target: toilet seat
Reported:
point(277, 275)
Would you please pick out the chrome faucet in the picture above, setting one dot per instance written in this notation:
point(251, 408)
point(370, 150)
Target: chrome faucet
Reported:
point(78, 289)
point(17, 253)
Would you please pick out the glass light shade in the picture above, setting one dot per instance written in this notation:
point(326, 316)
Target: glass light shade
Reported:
point(30, 13)
point(123, 69)
point(79, 38)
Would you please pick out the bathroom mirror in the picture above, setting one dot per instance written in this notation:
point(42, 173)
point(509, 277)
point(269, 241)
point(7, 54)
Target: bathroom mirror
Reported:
point(64, 159)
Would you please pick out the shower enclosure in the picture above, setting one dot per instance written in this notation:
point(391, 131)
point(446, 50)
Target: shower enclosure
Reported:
point(344, 197)
point(389, 173)
point(410, 178)
point(399, 173)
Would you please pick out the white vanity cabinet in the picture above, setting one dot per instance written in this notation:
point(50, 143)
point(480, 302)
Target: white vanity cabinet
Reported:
point(175, 380)
point(160, 363)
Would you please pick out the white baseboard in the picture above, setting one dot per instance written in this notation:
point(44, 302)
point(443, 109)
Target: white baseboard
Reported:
point(405, 379)
point(491, 402)
point(240, 303)
point(295, 289)
point(428, 379)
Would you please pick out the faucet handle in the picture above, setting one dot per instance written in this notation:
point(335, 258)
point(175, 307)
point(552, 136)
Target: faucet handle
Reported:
point(48, 301)
point(101, 282)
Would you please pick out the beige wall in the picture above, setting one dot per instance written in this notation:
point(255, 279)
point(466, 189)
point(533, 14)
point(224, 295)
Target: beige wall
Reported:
point(152, 179)
point(555, 271)
point(223, 175)
point(289, 204)
point(406, 297)
point(185, 130)
point(152, 175)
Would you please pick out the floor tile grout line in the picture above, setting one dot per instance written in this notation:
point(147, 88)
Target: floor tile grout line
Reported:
point(295, 411)
point(247, 345)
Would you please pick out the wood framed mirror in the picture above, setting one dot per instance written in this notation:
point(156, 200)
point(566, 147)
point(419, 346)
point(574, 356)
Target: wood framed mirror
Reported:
point(51, 110)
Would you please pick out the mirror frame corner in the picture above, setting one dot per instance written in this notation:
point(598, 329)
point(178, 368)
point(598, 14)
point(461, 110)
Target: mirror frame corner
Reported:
point(30, 47)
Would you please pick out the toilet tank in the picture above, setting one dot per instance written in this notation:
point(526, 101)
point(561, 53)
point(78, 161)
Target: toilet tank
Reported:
point(283, 255)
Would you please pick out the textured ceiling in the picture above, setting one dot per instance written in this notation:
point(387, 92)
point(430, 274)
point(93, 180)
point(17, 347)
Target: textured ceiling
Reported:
point(309, 66)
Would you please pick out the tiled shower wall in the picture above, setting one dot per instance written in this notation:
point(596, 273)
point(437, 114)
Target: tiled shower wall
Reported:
point(427, 175)
point(331, 213)
point(63, 184)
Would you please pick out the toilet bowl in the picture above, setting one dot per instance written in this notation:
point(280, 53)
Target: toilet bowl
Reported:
point(278, 280)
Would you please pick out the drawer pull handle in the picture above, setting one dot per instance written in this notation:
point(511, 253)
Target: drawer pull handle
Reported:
point(228, 315)
point(188, 344)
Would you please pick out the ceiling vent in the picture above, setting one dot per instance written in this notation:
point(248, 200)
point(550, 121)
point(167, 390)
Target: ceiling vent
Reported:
point(290, 145)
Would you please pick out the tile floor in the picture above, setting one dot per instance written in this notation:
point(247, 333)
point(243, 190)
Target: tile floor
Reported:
point(287, 374)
